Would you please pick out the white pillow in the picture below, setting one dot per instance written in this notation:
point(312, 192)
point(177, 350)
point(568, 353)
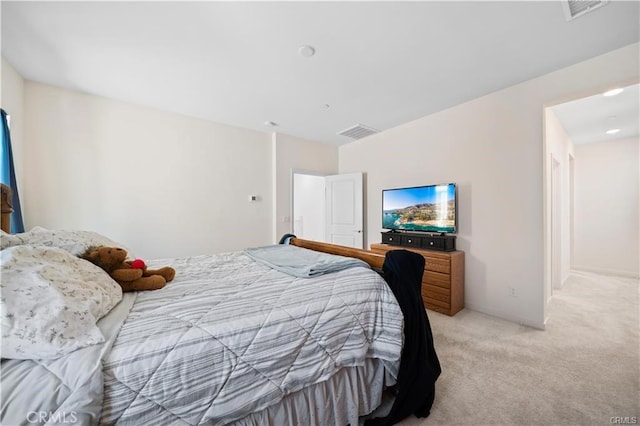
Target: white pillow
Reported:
point(73, 241)
point(51, 301)
point(9, 240)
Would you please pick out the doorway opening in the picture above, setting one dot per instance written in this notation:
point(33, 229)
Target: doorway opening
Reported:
point(590, 186)
point(308, 206)
point(328, 208)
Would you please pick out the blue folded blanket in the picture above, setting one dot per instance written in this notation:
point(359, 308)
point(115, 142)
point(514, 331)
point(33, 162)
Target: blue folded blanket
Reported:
point(301, 262)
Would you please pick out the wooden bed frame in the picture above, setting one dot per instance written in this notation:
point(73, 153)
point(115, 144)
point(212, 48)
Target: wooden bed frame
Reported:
point(7, 208)
point(374, 259)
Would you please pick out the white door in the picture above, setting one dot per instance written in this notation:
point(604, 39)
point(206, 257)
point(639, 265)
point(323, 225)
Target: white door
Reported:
point(343, 202)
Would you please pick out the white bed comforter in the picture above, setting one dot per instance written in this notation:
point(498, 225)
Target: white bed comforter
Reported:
point(229, 337)
point(62, 391)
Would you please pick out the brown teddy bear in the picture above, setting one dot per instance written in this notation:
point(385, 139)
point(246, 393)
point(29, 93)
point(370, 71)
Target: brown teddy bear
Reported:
point(131, 275)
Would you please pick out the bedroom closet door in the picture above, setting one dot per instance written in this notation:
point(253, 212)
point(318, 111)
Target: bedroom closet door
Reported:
point(343, 202)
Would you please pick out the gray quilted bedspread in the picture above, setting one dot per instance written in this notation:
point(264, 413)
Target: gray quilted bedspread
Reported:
point(230, 336)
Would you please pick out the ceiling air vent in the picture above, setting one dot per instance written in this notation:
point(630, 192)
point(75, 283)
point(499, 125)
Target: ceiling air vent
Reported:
point(576, 8)
point(358, 131)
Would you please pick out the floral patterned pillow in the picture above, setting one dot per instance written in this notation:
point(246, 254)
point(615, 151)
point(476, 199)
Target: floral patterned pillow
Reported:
point(9, 240)
point(51, 301)
point(74, 241)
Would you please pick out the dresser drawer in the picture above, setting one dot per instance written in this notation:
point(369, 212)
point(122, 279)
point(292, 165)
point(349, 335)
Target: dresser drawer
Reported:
point(437, 265)
point(437, 293)
point(436, 279)
point(443, 276)
point(445, 311)
point(429, 302)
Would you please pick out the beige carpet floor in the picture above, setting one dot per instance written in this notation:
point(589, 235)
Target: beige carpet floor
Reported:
point(583, 369)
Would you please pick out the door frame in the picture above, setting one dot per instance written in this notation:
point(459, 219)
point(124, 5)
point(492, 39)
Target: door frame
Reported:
point(555, 246)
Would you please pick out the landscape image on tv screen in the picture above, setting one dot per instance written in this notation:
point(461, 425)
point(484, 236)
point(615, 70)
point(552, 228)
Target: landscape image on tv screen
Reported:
point(424, 208)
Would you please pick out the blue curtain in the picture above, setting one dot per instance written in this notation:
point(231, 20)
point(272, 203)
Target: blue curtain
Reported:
point(8, 175)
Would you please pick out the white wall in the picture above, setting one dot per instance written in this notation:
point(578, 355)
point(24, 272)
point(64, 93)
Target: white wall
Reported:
point(11, 99)
point(162, 184)
point(291, 153)
point(606, 207)
point(492, 147)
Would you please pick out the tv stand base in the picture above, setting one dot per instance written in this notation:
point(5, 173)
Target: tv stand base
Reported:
point(440, 242)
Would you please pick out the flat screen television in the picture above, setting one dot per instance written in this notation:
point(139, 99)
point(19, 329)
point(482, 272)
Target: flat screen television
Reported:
point(431, 208)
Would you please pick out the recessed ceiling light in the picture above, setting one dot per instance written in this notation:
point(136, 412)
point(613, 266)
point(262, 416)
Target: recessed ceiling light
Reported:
point(613, 92)
point(306, 51)
point(326, 106)
point(612, 131)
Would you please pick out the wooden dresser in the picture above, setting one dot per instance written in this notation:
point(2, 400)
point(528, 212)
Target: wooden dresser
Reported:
point(443, 279)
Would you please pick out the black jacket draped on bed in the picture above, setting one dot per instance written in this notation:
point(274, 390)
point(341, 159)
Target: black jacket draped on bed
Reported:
point(419, 365)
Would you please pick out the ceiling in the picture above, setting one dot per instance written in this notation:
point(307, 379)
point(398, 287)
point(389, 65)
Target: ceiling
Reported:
point(380, 64)
point(587, 120)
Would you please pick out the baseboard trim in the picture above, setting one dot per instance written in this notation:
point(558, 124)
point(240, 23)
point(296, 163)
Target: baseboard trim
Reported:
point(507, 317)
point(605, 271)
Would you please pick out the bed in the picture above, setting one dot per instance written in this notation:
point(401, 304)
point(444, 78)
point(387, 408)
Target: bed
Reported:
point(230, 340)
